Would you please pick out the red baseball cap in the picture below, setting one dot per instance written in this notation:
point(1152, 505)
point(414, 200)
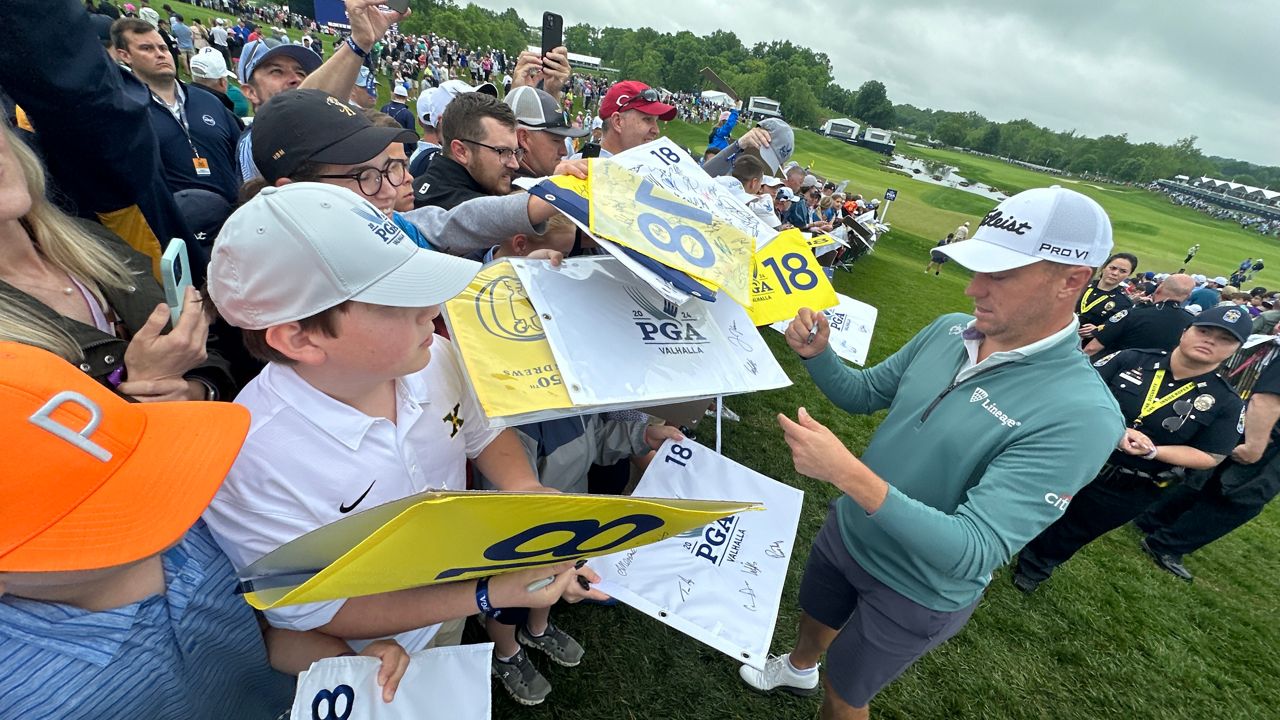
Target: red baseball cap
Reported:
point(635, 95)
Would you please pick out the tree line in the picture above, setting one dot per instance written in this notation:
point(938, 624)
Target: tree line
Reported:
point(802, 81)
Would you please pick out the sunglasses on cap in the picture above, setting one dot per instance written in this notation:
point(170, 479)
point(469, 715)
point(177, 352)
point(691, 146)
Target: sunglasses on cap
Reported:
point(648, 95)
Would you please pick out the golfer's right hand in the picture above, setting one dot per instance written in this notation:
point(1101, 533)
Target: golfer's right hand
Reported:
point(798, 333)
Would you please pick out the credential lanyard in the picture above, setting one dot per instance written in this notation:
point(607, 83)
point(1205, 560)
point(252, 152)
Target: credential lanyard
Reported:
point(1153, 401)
point(1085, 305)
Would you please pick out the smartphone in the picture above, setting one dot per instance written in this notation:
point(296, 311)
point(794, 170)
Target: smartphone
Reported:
point(552, 32)
point(175, 276)
point(399, 6)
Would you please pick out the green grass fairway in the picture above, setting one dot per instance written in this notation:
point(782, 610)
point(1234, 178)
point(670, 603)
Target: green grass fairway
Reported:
point(1110, 636)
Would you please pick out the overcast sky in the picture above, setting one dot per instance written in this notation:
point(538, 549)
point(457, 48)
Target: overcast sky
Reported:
point(1157, 70)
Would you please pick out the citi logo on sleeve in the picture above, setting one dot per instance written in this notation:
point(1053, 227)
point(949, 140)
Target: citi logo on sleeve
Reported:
point(982, 396)
point(1059, 501)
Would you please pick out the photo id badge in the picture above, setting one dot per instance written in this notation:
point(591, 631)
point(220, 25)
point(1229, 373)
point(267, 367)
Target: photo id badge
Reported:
point(201, 165)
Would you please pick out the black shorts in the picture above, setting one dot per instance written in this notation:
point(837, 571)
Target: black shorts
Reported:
point(882, 632)
point(937, 257)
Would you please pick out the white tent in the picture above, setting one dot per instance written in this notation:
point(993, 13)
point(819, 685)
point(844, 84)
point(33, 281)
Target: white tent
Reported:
point(715, 97)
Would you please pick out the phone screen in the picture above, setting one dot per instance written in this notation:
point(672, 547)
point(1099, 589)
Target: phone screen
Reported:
point(175, 277)
point(552, 32)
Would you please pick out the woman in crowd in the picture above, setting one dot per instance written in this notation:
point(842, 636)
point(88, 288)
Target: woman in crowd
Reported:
point(74, 288)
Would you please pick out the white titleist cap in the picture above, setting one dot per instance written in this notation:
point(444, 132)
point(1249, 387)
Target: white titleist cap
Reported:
point(294, 251)
point(1052, 223)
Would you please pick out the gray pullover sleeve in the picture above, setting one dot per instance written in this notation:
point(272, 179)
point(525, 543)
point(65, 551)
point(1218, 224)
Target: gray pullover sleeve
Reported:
point(477, 224)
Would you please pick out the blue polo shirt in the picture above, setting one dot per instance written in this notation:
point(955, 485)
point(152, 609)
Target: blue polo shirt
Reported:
point(195, 653)
point(214, 131)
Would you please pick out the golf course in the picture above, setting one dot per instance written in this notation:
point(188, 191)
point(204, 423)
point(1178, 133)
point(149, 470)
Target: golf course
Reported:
point(1110, 636)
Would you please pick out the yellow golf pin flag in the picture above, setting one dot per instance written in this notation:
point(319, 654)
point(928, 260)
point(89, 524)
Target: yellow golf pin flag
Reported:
point(820, 240)
point(631, 211)
point(506, 353)
point(438, 537)
point(786, 277)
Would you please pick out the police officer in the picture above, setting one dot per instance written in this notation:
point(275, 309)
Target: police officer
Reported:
point(1210, 505)
point(1158, 325)
point(1181, 414)
point(1104, 296)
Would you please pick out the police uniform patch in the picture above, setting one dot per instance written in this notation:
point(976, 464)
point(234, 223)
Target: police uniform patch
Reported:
point(1109, 306)
point(1231, 315)
point(1240, 425)
point(1106, 359)
point(1202, 403)
point(1120, 315)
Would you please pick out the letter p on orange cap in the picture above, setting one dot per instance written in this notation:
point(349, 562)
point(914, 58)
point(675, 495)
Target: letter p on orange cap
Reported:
point(90, 480)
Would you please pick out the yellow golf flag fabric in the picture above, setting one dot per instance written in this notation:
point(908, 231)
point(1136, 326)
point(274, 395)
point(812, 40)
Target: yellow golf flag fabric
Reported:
point(438, 537)
point(631, 211)
point(786, 277)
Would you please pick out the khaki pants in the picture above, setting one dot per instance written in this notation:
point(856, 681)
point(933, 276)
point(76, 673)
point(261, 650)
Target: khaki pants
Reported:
point(449, 634)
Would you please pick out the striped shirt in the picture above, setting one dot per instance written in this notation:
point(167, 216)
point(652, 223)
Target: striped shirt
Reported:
point(195, 653)
point(244, 156)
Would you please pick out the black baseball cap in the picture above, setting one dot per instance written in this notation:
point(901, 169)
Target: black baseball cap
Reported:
point(1231, 318)
point(300, 126)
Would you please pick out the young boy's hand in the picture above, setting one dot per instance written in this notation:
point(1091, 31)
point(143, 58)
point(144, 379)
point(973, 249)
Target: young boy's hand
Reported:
point(395, 662)
point(655, 435)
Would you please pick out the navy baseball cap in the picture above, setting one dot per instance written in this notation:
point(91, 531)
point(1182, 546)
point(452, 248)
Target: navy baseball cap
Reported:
point(1231, 318)
point(254, 53)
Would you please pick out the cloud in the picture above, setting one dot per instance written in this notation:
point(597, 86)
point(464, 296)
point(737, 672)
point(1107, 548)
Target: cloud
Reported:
point(1158, 72)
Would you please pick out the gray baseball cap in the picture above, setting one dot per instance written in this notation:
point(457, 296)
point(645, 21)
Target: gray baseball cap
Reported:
point(782, 142)
point(537, 110)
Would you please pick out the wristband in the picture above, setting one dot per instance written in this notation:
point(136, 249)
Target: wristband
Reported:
point(116, 377)
point(356, 48)
point(482, 597)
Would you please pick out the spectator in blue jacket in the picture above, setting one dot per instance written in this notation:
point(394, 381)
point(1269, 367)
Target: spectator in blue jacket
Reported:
point(399, 111)
point(723, 131)
point(196, 133)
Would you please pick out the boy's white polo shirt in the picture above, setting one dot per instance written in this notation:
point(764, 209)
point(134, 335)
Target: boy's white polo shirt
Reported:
point(310, 460)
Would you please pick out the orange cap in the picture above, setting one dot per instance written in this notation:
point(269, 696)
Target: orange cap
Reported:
point(90, 480)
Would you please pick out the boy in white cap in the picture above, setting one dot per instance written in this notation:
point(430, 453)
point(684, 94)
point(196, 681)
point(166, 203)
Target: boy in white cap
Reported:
point(341, 304)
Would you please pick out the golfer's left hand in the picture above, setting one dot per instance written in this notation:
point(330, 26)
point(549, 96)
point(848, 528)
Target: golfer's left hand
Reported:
point(815, 450)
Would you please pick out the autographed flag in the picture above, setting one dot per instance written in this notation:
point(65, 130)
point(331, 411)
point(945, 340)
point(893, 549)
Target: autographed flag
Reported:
point(786, 277)
point(721, 583)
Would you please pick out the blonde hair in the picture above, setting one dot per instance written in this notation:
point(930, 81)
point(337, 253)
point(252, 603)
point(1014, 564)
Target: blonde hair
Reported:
point(58, 237)
point(20, 324)
point(825, 203)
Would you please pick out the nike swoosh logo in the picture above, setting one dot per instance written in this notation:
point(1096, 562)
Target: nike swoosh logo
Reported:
point(344, 509)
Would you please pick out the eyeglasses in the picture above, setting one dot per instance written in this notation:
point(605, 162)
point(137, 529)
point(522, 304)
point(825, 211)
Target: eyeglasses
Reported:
point(1174, 424)
point(646, 95)
point(504, 153)
point(370, 178)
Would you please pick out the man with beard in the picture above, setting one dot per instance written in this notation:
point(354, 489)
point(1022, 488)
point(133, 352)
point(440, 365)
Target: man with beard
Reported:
point(480, 153)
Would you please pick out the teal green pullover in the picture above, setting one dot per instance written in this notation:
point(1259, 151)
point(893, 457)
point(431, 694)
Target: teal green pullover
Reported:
point(976, 470)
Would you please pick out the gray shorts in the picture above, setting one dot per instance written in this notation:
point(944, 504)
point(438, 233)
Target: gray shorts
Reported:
point(881, 631)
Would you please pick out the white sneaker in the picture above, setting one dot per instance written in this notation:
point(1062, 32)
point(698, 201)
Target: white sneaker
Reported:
point(778, 674)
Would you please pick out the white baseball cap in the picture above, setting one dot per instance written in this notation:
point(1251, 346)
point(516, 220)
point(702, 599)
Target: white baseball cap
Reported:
point(424, 106)
point(209, 64)
point(1220, 281)
point(294, 251)
point(1052, 223)
point(450, 89)
point(400, 91)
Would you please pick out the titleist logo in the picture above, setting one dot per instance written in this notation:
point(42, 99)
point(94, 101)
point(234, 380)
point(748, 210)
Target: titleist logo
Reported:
point(996, 219)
